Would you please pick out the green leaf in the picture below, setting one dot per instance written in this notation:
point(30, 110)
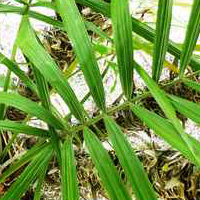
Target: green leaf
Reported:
point(5, 89)
point(42, 60)
point(76, 30)
point(22, 184)
point(43, 93)
point(49, 20)
point(46, 4)
point(68, 172)
point(42, 87)
point(17, 71)
point(187, 108)
point(101, 49)
point(105, 167)
point(19, 10)
point(29, 155)
point(6, 125)
point(130, 162)
point(191, 37)
point(122, 26)
point(139, 28)
point(166, 130)
point(163, 22)
point(99, 6)
point(167, 108)
point(192, 84)
point(92, 27)
point(2, 81)
point(31, 108)
point(157, 93)
point(41, 178)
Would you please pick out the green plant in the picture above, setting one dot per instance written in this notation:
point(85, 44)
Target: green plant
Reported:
point(59, 138)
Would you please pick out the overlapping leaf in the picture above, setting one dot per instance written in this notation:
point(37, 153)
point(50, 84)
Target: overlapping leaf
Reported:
point(140, 28)
point(105, 167)
point(187, 108)
point(192, 84)
point(31, 108)
point(29, 155)
point(28, 175)
point(15, 69)
point(40, 181)
point(76, 30)
point(100, 6)
point(22, 128)
point(168, 109)
point(5, 8)
point(130, 162)
point(165, 130)
point(45, 64)
point(43, 93)
point(49, 20)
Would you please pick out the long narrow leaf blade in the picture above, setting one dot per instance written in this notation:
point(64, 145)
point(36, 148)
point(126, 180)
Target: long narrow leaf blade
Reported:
point(68, 172)
point(122, 26)
point(100, 6)
point(191, 36)
point(46, 4)
point(40, 181)
point(76, 30)
point(5, 8)
point(130, 162)
point(45, 64)
point(29, 155)
point(31, 108)
point(28, 175)
point(157, 93)
point(17, 71)
point(163, 22)
point(44, 95)
point(165, 130)
point(49, 20)
point(192, 84)
point(105, 167)
point(187, 108)
point(22, 128)
point(167, 107)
